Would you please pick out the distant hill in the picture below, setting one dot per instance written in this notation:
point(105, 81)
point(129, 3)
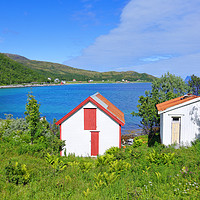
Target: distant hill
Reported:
point(12, 72)
point(55, 70)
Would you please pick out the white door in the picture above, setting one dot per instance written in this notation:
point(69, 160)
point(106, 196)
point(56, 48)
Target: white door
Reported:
point(176, 127)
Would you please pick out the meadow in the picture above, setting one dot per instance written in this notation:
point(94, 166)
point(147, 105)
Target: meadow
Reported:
point(37, 171)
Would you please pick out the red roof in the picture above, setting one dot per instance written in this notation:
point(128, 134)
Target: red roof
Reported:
point(102, 103)
point(173, 102)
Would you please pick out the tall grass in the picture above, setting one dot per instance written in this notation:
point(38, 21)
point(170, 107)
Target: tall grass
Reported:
point(139, 172)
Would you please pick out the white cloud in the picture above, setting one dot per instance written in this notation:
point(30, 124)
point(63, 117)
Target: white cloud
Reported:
point(156, 31)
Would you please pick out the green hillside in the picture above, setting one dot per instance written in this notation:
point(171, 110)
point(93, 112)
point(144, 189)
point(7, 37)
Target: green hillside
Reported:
point(12, 72)
point(65, 72)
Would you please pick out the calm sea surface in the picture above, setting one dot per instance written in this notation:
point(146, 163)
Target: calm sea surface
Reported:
point(56, 101)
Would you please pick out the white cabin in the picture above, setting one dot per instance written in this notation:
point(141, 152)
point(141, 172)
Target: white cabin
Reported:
point(180, 120)
point(92, 127)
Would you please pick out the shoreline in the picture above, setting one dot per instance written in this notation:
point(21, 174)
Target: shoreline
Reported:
point(57, 84)
point(28, 85)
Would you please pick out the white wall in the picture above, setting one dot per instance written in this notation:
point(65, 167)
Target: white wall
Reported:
point(109, 132)
point(190, 123)
point(78, 140)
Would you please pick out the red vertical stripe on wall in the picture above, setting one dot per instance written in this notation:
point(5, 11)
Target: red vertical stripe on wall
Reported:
point(119, 136)
point(94, 143)
point(90, 119)
point(60, 139)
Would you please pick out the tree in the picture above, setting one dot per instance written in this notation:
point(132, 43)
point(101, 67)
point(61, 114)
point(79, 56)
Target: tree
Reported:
point(167, 87)
point(32, 116)
point(194, 83)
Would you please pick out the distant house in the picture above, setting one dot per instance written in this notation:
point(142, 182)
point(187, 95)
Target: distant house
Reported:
point(180, 120)
point(63, 82)
point(56, 80)
point(92, 127)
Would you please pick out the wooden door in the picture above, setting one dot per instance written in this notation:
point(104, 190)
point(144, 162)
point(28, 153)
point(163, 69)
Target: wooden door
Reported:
point(94, 143)
point(176, 130)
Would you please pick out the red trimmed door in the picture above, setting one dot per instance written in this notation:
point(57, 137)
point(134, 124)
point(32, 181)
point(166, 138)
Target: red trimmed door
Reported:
point(94, 143)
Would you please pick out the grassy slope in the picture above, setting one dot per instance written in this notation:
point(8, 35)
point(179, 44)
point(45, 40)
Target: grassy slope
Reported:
point(143, 180)
point(14, 72)
point(55, 70)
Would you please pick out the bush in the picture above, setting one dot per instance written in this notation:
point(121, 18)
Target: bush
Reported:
point(160, 158)
point(17, 173)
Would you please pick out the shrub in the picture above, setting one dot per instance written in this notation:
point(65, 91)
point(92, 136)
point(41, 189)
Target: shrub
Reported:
point(55, 162)
point(112, 150)
point(160, 158)
point(17, 173)
point(119, 166)
point(104, 179)
point(105, 159)
point(137, 142)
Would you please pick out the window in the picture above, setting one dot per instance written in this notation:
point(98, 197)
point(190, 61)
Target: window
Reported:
point(175, 119)
point(89, 118)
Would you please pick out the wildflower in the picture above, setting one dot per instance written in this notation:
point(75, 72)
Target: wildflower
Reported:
point(179, 183)
point(196, 186)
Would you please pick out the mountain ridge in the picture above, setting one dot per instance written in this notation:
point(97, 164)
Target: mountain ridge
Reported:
point(64, 72)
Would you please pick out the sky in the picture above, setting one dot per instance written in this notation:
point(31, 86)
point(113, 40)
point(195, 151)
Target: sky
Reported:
point(154, 37)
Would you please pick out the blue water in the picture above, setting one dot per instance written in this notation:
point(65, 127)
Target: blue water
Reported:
point(57, 101)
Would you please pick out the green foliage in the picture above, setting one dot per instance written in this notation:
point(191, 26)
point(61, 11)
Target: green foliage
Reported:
point(167, 87)
point(160, 158)
point(104, 179)
point(119, 166)
point(12, 72)
point(85, 166)
point(194, 83)
point(17, 173)
point(55, 162)
point(137, 142)
point(134, 172)
point(33, 117)
point(105, 159)
point(163, 176)
point(112, 150)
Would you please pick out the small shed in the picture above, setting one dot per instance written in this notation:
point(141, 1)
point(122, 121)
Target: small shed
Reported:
point(92, 127)
point(180, 120)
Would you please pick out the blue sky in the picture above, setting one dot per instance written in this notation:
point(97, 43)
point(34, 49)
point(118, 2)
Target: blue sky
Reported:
point(102, 35)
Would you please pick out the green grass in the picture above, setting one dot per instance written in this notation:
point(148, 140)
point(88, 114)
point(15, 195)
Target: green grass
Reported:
point(126, 173)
